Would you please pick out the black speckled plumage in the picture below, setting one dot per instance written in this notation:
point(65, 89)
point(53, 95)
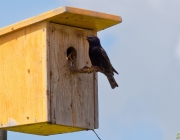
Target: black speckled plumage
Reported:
point(99, 58)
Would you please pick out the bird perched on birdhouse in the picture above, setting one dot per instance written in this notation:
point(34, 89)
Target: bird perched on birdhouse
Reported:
point(39, 94)
point(99, 58)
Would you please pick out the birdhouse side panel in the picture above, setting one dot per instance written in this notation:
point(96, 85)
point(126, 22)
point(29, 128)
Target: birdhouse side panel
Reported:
point(72, 95)
point(23, 76)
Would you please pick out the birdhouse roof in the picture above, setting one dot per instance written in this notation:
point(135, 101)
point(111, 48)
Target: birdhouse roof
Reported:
point(71, 16)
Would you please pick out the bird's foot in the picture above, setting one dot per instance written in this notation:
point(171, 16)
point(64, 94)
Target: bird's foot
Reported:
point(87, 69)
point(90, 70)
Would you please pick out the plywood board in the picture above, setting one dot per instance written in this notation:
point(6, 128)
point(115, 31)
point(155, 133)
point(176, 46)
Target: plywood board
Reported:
point(23, 77)
point(44, 129)
point(71, 16)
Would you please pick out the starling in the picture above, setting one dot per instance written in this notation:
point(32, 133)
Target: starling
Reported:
point(99, 58)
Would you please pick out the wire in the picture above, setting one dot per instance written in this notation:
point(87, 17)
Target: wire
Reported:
point(96, 134)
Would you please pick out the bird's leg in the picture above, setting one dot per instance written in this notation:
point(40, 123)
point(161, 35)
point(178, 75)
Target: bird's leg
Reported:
point(93, 69)
point(86, 69)
point(90, 70)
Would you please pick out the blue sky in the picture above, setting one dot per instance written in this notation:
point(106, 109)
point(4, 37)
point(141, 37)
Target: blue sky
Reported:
point(144, 49)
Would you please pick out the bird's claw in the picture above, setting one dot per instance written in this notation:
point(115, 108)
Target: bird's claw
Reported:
point(90, 70)
point(86, 69)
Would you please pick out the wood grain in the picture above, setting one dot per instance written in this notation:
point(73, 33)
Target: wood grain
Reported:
point(23, 76)
point(96, 105)
point(72, 94)
point(71, 16)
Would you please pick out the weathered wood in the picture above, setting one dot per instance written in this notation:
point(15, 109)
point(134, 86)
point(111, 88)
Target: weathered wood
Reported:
point(3, 135)
point(72, 94)
point(96, 105)
point(88, 70)
point(69, 16)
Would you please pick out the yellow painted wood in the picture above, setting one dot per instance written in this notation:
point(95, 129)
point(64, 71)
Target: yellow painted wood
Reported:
point(23, 77)
point(44, 129)
point(69, 16)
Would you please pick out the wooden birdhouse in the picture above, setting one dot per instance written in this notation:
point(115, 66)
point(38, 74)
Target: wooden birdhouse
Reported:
point(38, 92)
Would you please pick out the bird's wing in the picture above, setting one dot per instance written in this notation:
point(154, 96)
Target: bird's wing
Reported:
point(104, 54)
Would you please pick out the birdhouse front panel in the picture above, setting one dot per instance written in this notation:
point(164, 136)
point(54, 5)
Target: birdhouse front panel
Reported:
point(73, 95)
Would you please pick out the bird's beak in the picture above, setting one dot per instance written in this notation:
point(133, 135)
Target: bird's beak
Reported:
point(85, 38)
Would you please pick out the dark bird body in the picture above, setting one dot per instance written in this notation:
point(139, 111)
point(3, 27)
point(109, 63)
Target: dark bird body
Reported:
point(99, 58)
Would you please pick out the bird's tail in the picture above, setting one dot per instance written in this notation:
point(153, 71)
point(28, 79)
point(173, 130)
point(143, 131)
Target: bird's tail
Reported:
point(112, 82)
